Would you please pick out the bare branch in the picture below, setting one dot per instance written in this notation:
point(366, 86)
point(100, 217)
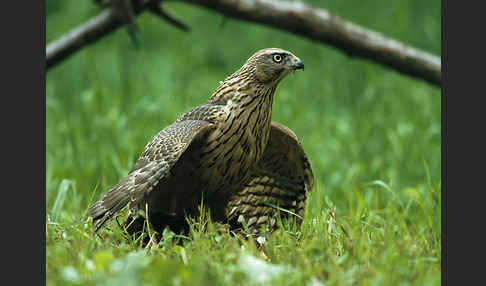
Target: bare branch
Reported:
point(157, 10)
point(125, 12)
point(99, 26)
point(296, 17)
point(320, 25)
point(104, 23)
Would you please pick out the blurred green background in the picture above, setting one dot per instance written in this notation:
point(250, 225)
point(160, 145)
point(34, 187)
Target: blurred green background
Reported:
point(358, 121)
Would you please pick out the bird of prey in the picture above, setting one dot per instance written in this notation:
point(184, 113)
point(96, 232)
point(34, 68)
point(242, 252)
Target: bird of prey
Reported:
point(226, 153)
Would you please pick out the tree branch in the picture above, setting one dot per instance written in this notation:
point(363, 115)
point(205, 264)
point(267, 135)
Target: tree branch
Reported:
point(101, 25)
point(91, 31)
point(296, 17)
point(320, 25)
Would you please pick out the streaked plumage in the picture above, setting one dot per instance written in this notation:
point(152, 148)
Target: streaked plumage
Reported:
point(279, 184)
point(226, 151)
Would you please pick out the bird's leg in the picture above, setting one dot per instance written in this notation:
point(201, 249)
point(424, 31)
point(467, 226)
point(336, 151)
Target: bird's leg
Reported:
point(134, 224)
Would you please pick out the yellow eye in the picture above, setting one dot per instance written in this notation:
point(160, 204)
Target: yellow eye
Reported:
point(277, 58)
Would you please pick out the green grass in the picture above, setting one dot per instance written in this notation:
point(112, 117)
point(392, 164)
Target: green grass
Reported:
point(371, 134)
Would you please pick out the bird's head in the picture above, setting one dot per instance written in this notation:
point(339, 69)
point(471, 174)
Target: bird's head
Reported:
point(271, 65)
point(266, 67)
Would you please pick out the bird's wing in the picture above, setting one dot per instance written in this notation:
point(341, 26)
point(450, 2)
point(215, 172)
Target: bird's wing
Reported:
point(279, 183)
point(153, 166)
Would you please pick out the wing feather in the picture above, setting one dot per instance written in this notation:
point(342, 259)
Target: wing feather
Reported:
point(153, 166)
point(280, 183)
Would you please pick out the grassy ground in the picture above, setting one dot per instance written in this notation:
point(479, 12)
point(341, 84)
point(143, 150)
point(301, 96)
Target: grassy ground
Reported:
point(372, 137)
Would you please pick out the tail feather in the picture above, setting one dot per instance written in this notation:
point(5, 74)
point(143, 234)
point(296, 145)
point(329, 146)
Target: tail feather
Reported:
point(105, 209)
point(133, 188)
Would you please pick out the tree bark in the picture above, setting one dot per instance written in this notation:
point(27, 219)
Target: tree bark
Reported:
point(296, 17)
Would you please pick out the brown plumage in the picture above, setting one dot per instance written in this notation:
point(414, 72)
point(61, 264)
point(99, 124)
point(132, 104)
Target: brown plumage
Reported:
point(226, 152)
point(279, 183)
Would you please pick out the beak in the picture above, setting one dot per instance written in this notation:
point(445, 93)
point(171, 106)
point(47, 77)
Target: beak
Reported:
point(299, 65)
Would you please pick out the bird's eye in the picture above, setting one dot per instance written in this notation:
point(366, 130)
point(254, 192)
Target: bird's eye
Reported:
point(277, 58)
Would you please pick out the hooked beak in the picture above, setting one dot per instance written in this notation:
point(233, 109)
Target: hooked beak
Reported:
point(298, 65)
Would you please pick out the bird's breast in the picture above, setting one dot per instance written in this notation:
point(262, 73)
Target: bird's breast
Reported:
point(233, 149)
point(221, 163)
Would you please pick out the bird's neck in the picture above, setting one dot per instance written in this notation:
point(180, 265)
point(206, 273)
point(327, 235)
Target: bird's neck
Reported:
point(240, 96)
point(247, 101)
point(239, 85)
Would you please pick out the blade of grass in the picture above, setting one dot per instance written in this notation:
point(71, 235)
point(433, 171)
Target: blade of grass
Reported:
point(61, 196)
